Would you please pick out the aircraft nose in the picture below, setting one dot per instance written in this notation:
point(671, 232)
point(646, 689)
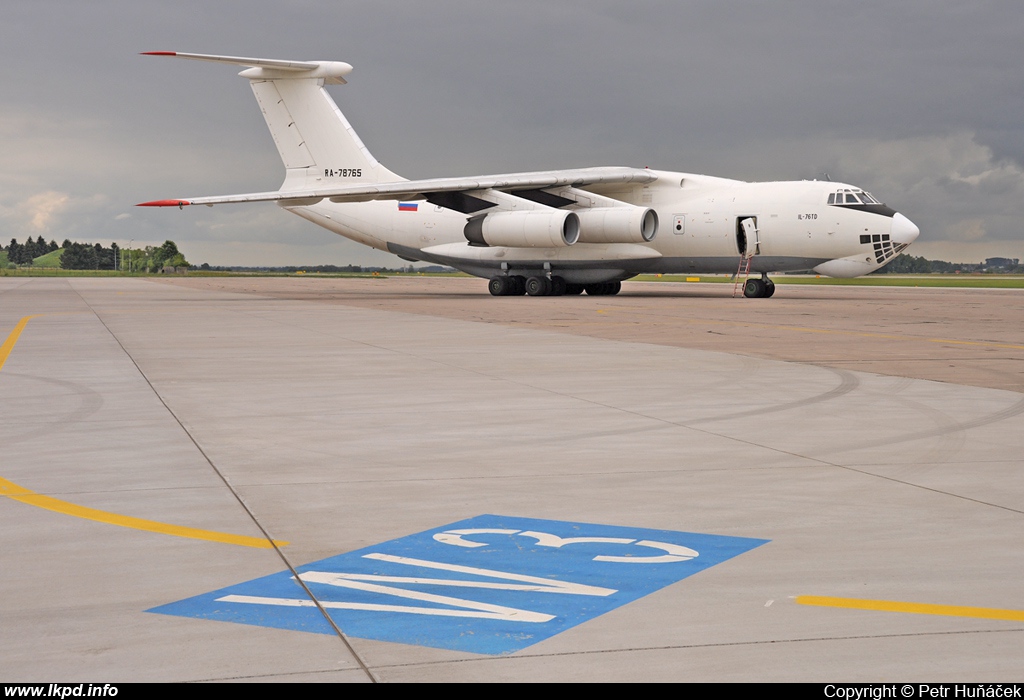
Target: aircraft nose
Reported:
point(903, 230)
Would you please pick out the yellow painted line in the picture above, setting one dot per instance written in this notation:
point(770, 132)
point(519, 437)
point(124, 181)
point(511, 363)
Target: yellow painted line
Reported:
point(983, 343)
point(916, 608)
point(20, 493)
point(5, 349)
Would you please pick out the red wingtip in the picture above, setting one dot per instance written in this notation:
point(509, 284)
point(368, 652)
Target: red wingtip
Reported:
point(165, 203)
point(158, 53)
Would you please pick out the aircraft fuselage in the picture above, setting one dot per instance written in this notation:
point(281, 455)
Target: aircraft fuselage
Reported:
point(699, 231)
point(556, 231)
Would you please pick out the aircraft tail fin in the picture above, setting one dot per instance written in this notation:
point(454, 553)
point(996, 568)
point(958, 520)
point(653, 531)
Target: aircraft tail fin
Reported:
point(317, 144)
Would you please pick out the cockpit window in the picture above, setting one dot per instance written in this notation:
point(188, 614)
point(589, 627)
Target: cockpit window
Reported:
point(848, 196)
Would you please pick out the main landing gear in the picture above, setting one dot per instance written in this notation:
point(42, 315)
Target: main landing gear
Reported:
point(507, 286)
point(542, 286)
point(755, 288)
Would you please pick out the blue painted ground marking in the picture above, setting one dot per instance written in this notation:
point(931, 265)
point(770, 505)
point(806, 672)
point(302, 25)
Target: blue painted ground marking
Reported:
point(490, 585)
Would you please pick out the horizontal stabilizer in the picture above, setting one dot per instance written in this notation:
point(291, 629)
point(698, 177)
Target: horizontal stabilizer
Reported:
point(271, 68)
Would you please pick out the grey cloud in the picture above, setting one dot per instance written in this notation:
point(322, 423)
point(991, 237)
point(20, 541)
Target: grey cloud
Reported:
point(907, 99)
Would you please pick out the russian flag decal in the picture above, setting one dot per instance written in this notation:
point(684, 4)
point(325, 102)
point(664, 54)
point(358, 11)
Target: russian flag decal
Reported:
point(408, 206)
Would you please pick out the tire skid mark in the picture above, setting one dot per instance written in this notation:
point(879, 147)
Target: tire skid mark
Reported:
point(1016, 409)
point(848, 382)
point(90, 402)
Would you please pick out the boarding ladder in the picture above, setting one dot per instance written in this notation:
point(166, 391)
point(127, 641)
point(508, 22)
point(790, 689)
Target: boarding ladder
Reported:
point(742, 273)
point(751, 243)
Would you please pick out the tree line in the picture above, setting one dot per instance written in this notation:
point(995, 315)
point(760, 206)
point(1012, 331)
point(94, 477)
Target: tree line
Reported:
point(908, 264)
point(25, 253)
point(94, 256)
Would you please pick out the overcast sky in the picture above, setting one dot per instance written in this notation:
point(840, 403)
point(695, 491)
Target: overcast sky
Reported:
point(920, 102)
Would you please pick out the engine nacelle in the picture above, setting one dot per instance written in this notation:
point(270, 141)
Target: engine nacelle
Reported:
point(524, 229)
point(617, 225)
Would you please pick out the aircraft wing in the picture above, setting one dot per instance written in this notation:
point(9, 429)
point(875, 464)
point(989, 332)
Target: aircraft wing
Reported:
point(428, 189)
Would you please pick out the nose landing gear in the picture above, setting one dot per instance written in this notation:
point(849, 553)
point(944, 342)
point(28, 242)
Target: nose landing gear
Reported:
point(758, 288)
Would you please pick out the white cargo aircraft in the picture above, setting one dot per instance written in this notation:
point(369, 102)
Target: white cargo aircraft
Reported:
point(557, 231)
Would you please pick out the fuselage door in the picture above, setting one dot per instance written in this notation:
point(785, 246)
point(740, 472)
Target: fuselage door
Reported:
point(746, 236)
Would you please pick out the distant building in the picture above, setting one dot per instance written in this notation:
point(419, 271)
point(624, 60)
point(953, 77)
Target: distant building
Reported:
point(1001, 263)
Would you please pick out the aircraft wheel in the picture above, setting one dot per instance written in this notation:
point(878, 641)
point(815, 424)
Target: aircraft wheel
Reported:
point(558, 286)
point(500, 286)
point(603, 288)
point(538, 286)
point(769, 288)
point(518, 285)
point(755, 289)
point(571, 288)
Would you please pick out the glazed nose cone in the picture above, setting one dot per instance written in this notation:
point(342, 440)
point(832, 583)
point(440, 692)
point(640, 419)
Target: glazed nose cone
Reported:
point(903, 230)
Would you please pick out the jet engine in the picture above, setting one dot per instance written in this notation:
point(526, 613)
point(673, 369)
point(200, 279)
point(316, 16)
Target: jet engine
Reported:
point(617, 225)
point(524, 229)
